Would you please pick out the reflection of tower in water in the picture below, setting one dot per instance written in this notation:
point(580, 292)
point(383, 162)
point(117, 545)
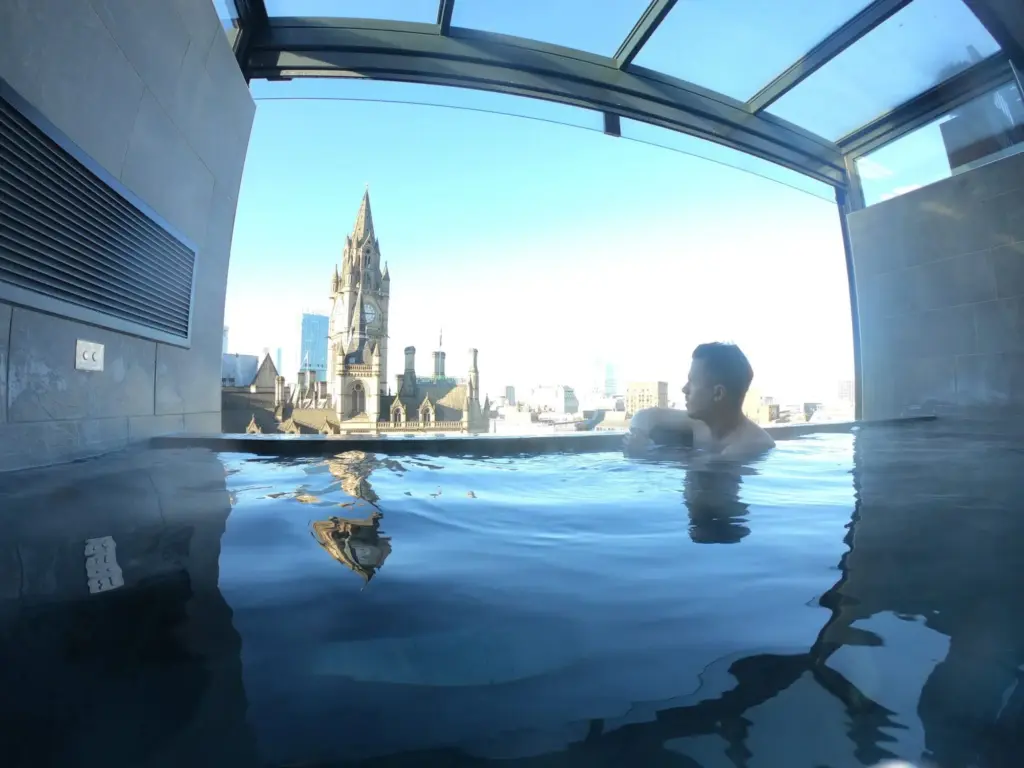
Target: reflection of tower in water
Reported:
point(356, 541)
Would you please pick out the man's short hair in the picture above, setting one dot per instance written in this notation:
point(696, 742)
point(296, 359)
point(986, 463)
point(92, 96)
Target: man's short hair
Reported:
point(728, 366)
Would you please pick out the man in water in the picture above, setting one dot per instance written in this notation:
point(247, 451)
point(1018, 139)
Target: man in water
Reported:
point(719, 378)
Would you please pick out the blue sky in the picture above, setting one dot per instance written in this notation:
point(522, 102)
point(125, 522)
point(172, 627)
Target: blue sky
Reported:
point(551, 247)
point(546, 246)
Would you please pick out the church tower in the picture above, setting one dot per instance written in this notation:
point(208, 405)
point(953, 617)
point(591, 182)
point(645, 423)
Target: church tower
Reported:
point(358, 327)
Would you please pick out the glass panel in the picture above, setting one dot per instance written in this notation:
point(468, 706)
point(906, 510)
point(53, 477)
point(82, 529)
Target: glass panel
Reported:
point(984, 130)
point(721, 155)
point(736, 47)
point(926, 43)
point(357, 89)
point(398, 10)
point(228, 14)
point(597, 27)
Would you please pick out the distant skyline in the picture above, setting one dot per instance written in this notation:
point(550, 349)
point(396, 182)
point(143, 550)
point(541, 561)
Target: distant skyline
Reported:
point(546, 247)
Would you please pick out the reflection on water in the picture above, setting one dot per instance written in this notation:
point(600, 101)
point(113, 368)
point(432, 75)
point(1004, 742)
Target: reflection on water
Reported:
point(544, 611)
point(712, 498)
point(356, 542)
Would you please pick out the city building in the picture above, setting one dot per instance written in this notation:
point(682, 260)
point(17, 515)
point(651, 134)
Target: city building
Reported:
point(238, 370)
point(224, 346)
point(355, 397)
point(313, 344)
point(647, 394)
point(510, 396)
point(611, 382)
point(554, 398)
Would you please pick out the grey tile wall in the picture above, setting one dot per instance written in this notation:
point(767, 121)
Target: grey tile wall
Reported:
point(151, 92)
point(940, 283)
point(43, 384)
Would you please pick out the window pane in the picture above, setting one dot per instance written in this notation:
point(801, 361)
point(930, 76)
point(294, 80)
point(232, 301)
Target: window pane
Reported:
point(597, 26)
point(721, 155)
point(926, 43)
point(398, 10)
point(737, 47)
point(360, 89)
point(989, 128)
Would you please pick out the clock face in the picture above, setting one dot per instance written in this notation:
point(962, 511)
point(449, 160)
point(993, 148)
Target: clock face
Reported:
point(370, 312)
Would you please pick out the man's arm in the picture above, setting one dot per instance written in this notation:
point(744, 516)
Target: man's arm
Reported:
point(667, 420)
point(659, 426)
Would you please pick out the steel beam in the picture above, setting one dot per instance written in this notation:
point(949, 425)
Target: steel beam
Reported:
point(641, 33)
point(444, 16)
point(825, 51)
point(845, 207)
point(472, 59)
point(252, 22)
point(932, 104)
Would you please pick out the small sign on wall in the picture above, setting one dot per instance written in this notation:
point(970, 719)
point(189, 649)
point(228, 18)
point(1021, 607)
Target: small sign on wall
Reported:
point(88, 356)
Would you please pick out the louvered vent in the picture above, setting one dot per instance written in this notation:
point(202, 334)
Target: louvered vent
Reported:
point(67, 235)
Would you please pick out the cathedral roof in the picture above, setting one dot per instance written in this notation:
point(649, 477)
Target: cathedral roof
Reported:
point(364, 221)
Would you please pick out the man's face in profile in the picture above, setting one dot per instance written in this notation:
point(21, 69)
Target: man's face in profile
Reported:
point(699, 391)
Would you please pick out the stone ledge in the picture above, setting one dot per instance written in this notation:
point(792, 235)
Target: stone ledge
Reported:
point(460, 445)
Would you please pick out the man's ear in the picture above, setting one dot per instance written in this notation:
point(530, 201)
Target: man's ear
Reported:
point(718, 392)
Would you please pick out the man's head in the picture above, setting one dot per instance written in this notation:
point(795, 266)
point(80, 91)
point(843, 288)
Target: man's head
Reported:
point(720, 376)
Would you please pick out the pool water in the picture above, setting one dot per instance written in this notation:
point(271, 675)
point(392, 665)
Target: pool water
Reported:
point(848, 599)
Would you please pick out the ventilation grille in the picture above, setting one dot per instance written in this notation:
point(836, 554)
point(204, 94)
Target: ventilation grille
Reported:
point(65, 234)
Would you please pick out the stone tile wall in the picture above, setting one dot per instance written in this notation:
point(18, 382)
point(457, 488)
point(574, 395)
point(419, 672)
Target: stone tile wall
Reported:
point(151, 91)
point(940, 289)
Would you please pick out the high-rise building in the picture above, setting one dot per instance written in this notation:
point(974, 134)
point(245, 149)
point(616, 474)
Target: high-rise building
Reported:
point(611, 384)
point(224, 350)
point(648, 394)
point(846, 391)
point(510, 395)
point(313, 345)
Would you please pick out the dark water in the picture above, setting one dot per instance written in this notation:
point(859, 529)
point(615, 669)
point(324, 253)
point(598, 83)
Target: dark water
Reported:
point(849, 599)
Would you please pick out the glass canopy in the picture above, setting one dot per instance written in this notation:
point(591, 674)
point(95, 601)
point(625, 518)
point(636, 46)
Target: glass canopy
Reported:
point(927, 42)
point(737, 46)
point(741, 72)
point(398, 10)
point(588, 25)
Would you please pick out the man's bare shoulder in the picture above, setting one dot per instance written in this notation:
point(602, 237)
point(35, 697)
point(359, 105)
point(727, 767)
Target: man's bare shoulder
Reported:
point(748, 441)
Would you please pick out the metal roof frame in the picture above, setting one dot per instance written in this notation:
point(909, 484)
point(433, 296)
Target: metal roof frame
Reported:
point(412, 52)
point(278, 48)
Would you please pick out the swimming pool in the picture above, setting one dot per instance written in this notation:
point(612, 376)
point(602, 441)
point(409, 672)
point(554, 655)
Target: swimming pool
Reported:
point(851, 597)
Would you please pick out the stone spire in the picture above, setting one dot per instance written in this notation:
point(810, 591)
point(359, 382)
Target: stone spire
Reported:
point(363, 229)
point(357, 317)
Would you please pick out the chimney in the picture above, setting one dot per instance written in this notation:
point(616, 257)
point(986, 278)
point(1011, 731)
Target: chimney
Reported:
point(278, 391)
point(410, 360)
point(399, 378)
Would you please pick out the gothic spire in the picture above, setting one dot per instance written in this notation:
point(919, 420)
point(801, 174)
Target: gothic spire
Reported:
point(364, 220)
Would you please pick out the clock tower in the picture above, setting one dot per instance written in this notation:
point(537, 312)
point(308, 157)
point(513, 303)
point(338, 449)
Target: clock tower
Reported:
point(357, 347)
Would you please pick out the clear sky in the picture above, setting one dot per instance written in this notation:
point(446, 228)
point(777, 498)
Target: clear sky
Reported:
point(548, 247)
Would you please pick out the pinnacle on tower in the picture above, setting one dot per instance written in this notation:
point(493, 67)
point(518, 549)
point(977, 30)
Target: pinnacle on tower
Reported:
point(364, 220)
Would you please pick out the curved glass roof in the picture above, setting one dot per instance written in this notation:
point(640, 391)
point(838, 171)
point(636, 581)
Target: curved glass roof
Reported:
point(796, 82)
